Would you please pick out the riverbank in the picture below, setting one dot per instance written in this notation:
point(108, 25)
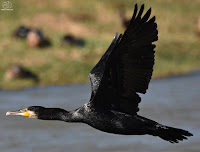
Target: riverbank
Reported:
point(177, 52)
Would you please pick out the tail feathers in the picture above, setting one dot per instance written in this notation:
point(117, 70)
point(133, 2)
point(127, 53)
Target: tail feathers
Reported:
point(173, 135)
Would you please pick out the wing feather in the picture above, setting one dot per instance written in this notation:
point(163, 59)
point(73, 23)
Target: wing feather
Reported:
point(128, 66)
point(97, 72)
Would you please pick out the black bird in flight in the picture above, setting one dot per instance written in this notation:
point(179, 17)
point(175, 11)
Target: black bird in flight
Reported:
point(123, 71)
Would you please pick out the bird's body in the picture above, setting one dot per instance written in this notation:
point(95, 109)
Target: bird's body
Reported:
point(21, 32)
point(35, 38)
point(124, 70)
point(71, 40)
point(106, 120)
point(18, 72)
point(114, 121)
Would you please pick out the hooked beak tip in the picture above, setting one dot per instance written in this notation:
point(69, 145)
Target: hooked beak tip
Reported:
point(7, 113)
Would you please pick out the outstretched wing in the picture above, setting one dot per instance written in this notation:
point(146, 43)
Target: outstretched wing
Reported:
point(97, 72)
point(128, 66)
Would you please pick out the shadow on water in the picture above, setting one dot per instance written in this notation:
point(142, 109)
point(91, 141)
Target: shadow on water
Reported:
point(173, 101)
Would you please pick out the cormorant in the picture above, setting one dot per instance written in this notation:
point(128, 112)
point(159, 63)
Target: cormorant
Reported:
point(123, 71)
point(71, 40)
point(35, 38)
point(17, 71)
point(21, 32)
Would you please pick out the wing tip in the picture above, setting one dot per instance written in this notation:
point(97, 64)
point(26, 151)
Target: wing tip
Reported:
point(136, 6)
point(149, 10)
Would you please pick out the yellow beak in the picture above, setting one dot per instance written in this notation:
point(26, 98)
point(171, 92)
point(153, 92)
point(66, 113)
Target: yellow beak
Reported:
point(19, 113)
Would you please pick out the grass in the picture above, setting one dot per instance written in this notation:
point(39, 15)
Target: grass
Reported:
point(177, 51)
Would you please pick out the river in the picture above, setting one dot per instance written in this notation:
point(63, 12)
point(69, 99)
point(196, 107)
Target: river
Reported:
point(172, 101)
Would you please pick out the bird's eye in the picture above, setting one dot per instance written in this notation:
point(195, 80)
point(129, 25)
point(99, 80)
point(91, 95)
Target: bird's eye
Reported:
point(25, 110)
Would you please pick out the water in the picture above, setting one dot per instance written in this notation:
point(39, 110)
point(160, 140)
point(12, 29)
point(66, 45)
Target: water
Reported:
point(174, 101)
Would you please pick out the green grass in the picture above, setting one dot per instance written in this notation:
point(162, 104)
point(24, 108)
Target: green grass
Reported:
point(177, 51)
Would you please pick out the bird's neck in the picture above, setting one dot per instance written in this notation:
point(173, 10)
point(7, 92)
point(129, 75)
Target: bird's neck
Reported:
point(61, 114)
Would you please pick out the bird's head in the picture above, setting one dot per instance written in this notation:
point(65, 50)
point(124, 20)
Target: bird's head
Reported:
point(30, 112)
point(41, 113)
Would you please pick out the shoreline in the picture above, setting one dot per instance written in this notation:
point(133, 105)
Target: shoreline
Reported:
point(173, 76)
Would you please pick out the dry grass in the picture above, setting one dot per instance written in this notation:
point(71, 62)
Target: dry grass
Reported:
point(60, 23)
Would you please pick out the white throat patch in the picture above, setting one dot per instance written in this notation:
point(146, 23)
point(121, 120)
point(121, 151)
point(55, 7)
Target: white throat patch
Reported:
point(32, 114)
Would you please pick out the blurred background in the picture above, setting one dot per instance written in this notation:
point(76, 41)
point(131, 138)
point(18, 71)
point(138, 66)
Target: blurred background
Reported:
point(46, 42)
point(93, 24)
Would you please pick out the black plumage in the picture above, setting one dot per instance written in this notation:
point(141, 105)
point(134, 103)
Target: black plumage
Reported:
point(21, 32)
point(123, 71)
point(17, 71)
